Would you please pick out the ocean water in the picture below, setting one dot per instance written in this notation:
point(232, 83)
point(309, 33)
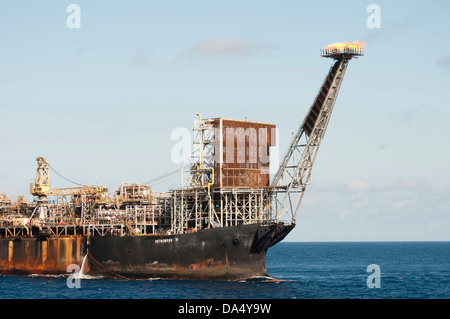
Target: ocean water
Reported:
point(403, 270)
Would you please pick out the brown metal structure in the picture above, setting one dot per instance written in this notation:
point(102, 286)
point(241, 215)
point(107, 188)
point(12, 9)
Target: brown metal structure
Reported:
point(242, 153)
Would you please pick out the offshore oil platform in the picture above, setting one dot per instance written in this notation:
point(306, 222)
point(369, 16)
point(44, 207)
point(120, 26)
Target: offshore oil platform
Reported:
point(217, 225)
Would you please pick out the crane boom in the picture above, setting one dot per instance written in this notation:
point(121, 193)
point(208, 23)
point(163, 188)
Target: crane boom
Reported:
point(41, 189)
point(294, 173)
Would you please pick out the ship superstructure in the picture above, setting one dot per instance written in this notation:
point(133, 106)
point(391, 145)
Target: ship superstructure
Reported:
point(218, 224)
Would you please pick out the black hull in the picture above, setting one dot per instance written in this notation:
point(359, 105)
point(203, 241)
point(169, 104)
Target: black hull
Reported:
point(219, 253)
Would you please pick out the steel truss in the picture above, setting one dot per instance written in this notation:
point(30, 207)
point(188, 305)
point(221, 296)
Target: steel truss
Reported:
point(195, 209)
point(294, 174)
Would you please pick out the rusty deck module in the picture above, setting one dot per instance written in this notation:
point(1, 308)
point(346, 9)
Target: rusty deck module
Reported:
point(217, 225)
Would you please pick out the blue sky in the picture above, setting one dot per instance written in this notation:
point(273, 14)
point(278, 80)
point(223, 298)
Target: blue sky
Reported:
point(100, 102)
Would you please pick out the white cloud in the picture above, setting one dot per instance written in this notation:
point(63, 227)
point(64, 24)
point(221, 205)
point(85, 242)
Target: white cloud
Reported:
point(311, 200)
point(394, 208)
point(403, 203)
point(361, 204)
point(397, 183)
point(394, 183)
point(356, 209)
point(228, 47)
point(358, 185)
point(344, 213)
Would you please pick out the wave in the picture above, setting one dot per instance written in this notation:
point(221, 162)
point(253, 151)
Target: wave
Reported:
point(261, 279)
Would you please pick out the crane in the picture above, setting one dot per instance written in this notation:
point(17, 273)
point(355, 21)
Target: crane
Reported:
point(41, 189)
point(294, 173)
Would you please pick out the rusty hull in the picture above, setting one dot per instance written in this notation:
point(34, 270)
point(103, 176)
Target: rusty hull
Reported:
point(40, 255)
point(218, 253)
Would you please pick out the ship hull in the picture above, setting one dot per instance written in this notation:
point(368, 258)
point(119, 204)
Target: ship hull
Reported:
point(219, 253)
point(40, 255)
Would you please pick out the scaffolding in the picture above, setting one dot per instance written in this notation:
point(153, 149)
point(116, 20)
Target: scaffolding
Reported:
point(195, 209)
point(217, 191)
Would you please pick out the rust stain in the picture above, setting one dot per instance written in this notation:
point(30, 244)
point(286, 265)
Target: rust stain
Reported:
point(44, 251)
point(32, 256)
point(10, 251)
point(68, 248)
point(77, 249)
point(206, 269)
point(55, 252)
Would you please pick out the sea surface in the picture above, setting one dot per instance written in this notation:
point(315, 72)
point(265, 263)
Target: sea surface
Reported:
point(354, 270)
